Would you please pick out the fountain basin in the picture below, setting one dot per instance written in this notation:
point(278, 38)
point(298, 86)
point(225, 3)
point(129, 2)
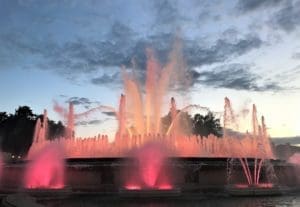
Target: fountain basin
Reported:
point(38, 192)
point(20, 200)
point(264, 189)
point(149, 193)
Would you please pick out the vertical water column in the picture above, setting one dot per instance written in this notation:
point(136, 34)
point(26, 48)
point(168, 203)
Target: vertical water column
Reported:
point(69, 133)
point(37, 130)
point(150, 91)
point(134, 104)
point(122, 116)
point(228, 117)
point(173, 109)
point(44, 135)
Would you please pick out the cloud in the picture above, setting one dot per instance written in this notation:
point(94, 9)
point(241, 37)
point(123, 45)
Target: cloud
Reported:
point(235, 76)
point(119, 42)
point(289, 77)
point(107, 79)
point(287, 18)
point(222, 50)
point(85, 102)
point(166, 13)
point(296, 56)
point(119, 47)
point(78, 100)
point(109, 113)
point(251, 5)
point(91, 122)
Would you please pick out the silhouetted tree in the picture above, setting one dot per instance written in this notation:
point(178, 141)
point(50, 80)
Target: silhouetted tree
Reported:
point(183, 124)
point(3, 117)
point(56, 130)
point(16, 130)
point(25, 112)
point(205, 125)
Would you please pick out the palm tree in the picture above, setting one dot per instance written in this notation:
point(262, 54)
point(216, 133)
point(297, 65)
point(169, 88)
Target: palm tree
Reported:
point(206, 125)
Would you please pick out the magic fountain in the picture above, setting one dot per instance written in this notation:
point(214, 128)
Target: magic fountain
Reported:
point(140, 136)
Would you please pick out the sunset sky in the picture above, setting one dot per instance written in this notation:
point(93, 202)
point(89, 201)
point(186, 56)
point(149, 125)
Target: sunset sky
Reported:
point(60, 50)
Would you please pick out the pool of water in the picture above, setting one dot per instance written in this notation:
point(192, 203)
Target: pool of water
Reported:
point(215, 201)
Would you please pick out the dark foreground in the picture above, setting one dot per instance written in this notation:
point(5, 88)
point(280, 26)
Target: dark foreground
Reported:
point(292, 200)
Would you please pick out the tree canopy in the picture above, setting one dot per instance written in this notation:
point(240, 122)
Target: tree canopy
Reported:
point(206, 125)
point(16, 130)
point(202, 125)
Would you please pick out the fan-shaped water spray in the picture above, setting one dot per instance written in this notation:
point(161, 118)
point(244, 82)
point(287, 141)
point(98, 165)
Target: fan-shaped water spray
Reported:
point(46, 169)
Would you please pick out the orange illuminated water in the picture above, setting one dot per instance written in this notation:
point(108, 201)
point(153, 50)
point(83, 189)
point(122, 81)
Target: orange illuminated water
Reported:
point(139, 122)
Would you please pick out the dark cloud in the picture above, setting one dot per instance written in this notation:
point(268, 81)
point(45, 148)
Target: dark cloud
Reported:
point(288, 17)
point(166, 12)
point(251, 5)
point(222, 50)
point(119, 46)
point(91, 122)
point(235, 76)
point(85, 102)
point(79, 101)
point(109, 113)
point(106, 79)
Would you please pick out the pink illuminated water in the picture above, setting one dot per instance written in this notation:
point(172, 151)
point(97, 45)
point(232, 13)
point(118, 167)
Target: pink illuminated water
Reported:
point(151, 171)
point(139, 122)
point(254, 145)
point(46, 169)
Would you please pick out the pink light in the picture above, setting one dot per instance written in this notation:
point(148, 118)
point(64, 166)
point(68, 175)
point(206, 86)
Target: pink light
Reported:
point(260, 185)
point(151, 159)
point(133, 187)
point(165, 187)
point(151, 171)
point(265, 185)
point(241, 185)
point(46, 170)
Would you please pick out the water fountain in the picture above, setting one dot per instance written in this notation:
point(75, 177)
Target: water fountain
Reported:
point(127, 138)
point(46, 169)
point(150, 173)
point(261, 143)
point(255, 146)
point(141, 139)
point(45, 174)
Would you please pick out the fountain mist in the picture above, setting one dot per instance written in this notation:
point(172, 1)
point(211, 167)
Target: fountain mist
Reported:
point(151, 170)
point(46, 169)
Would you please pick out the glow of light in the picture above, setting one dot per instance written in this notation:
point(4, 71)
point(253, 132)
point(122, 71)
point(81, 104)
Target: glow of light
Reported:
point(46, 170)
point(165, 187)
point(260, 185)
point(133, 187)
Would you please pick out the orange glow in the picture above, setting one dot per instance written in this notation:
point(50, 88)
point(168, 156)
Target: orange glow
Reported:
point(260, 185)
point(133, 187)
point(165, 187)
